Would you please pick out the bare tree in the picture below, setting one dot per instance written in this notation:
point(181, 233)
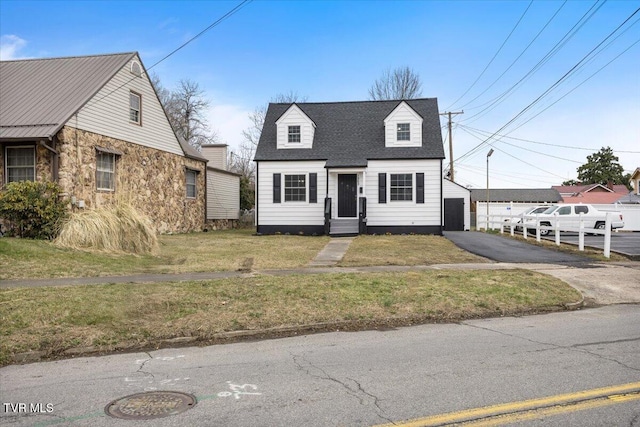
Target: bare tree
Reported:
point(242, 161)
point(185, 107)
point(401, 83)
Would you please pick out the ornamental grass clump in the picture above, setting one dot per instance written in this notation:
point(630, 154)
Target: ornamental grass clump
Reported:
point(115, 228)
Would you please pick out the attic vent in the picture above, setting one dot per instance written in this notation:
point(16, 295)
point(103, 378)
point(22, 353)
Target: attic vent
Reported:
point(136, 69)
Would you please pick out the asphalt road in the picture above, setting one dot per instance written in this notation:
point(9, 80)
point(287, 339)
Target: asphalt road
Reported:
point(505, 249)
point(623, 242)
point(362, 379)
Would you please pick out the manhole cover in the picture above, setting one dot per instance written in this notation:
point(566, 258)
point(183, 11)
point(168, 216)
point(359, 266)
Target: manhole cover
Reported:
point(150, 405)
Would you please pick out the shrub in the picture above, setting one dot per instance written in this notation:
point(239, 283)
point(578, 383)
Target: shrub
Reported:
point(33, 209)
point(114, 228)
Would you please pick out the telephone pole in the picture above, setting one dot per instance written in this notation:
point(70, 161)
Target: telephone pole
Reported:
point(450, 113)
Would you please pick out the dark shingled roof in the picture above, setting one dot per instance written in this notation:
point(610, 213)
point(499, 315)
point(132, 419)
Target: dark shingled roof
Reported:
point(533, 195)
point(351, 133)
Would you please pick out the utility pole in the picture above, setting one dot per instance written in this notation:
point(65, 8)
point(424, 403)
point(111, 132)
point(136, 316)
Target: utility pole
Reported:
point(450, 113)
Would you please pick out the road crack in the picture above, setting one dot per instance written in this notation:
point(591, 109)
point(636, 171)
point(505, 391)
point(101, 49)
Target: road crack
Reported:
point(306, 366)
point(142, 365)
point(573, 347)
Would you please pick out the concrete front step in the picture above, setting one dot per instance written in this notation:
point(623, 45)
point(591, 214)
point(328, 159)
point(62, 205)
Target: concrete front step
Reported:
point(344, 226)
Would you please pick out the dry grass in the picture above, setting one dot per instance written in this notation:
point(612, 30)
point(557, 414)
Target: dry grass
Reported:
point(127, 316)
point(405, 250)
point(115, 228)
point(214, 251)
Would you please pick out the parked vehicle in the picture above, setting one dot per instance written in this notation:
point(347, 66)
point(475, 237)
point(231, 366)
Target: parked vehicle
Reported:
point(517, 219)
point(568, 215)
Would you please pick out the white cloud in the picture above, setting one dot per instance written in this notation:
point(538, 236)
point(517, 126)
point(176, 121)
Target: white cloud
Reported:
point(229, 121)
point(10, 45)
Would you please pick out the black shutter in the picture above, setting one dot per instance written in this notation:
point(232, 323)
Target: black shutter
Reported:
point(313, 188)
point(276, 188)
point(382, 188)
point(419, 188)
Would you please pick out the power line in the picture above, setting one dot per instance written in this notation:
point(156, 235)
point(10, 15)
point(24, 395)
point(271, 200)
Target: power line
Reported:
point(480, 131)
point(546, 92)
point(550, 54)
point(519, 56)
point(214, 24)
point(494, 56)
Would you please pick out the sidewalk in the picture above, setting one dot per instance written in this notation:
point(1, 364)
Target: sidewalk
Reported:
point(602, 283)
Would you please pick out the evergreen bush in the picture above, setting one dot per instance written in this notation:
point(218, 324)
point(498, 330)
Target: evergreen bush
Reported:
point(32, 209)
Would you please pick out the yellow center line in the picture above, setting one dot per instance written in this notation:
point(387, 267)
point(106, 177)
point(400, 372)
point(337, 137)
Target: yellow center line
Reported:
point(552, 405)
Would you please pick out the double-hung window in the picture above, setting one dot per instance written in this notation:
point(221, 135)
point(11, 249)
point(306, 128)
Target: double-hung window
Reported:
point(21, 163)
point(295, 188)
point(401, 187)
point(294, 134)
point(404, 132)
point(191, 176)
point(135, 108)
point(105, 171)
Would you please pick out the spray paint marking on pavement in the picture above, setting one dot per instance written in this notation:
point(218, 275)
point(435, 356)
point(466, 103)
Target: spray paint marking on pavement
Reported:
point(531, 409)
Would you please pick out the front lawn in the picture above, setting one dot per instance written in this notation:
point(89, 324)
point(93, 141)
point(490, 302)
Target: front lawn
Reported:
point(105, 318)
point(214, 251)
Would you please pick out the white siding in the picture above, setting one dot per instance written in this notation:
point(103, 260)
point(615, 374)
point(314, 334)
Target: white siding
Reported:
point(107, 113)
point(294, 116)
point(290, 213)
point(403, 114)
point(404, 212)
point(223, 195)
point(452, 190)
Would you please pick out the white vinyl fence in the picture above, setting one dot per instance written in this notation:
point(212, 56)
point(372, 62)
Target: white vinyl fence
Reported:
point(501, 222)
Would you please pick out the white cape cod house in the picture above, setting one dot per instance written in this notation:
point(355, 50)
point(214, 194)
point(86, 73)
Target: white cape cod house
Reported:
point(370, 167)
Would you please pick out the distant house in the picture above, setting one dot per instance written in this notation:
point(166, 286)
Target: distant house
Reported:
point(350, 167)
point(536, 196)
point(595, 194)
point(223, 188)
point(94, 125)
point(634, 196)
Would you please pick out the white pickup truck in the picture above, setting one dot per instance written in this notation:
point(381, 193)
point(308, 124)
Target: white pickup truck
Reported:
point(568, 215)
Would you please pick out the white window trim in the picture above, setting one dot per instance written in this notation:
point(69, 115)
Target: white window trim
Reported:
point(195, 184)
point(403, 141)
point(289, 134)
point(113, 172)
point(413, 189)
point(306, 189)
point(139, 110)
point(6, 161)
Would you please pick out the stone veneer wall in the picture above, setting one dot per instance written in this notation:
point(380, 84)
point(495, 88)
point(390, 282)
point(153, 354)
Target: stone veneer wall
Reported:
point(153, 180)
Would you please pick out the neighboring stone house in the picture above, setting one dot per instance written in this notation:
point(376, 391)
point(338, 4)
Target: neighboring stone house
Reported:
point(350, 167)
point(94, 124)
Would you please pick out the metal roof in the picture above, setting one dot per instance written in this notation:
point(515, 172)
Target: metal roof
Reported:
point(38, 96)
point(534, 195)
point(348, 134)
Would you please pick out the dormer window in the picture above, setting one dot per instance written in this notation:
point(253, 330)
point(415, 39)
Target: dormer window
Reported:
point(294, 134)
point(404, 132)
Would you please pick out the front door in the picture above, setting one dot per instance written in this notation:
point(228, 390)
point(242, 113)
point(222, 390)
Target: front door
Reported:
point(347, 195)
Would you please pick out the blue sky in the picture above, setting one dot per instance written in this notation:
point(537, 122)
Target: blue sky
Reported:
point(334, 50)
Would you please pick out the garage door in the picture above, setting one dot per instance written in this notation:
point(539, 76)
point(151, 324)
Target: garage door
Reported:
point(453, 214)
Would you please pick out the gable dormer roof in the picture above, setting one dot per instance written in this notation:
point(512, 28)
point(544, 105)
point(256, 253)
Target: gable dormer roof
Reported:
point(351, 133)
